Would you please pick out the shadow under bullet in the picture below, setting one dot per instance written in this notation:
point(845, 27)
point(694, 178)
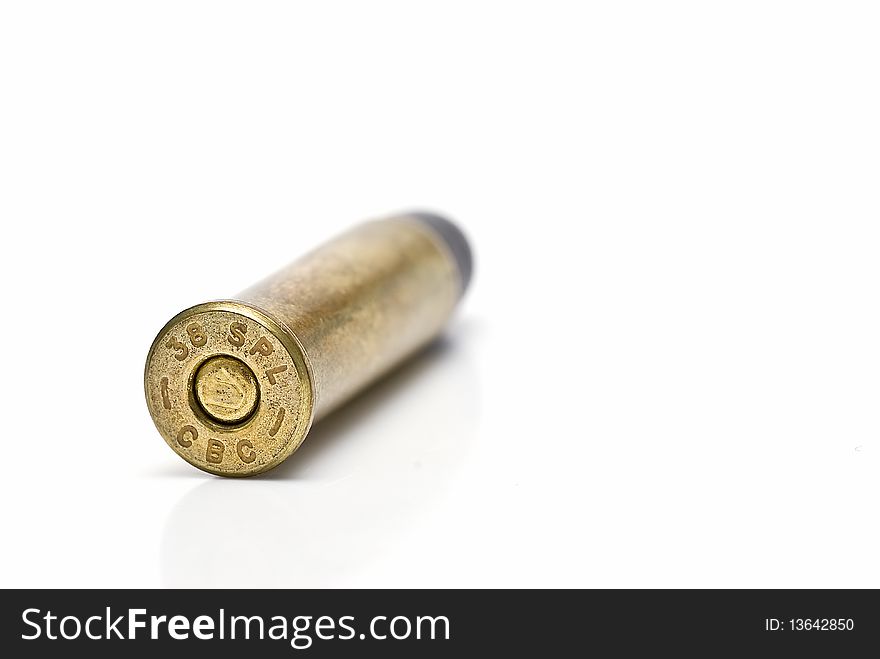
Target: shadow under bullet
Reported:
point(363, 476)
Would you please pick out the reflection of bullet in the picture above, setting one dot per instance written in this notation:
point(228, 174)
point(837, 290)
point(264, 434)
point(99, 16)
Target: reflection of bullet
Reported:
point(368, 475)
point(233, 386)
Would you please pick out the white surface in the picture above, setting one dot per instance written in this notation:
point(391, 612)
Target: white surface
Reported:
point(667, 372)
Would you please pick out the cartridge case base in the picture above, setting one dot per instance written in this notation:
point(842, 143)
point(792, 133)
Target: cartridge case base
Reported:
point(229, 388)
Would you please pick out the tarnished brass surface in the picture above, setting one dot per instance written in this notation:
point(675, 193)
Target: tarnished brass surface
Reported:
point(234, 386)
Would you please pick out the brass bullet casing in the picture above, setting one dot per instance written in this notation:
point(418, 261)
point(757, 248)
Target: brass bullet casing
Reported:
point(234, 386)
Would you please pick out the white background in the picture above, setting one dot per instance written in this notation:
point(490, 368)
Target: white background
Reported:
point(667, 372)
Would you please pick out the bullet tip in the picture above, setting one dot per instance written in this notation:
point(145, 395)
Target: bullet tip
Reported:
point(455, 239)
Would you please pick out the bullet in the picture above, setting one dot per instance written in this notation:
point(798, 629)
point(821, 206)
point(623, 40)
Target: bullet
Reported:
point(234, 386)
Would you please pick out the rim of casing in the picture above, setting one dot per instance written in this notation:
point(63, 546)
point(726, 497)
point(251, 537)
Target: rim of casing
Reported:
point(290, 343)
